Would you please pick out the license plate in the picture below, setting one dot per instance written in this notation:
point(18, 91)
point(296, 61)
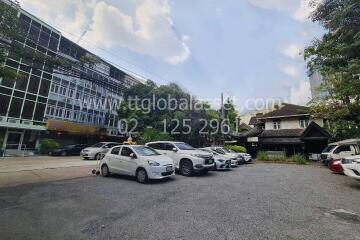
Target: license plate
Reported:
point(169, 169)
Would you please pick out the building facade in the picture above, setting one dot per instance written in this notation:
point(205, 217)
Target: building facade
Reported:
point(50, 103)
point(288, 129)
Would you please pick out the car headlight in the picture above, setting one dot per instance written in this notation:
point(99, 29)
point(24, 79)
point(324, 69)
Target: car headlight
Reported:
point(153, 163)
point(220, 160)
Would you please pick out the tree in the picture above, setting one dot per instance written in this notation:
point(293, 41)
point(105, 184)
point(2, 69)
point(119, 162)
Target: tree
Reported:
point(337, 56)
point(9, 27)
point(177, 118)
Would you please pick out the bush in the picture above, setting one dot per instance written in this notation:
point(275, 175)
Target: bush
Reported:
point(235, 148)
point(298, 158)
point(48, 145)
point(262, 156)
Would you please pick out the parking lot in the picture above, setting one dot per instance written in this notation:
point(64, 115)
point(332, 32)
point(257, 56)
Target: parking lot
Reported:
point(257, 201)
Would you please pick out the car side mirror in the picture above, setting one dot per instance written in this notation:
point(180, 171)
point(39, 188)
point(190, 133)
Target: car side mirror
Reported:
point(174, 149)
point(132, 155)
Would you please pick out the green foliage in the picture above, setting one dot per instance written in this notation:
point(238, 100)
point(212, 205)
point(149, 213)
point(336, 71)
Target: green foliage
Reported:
point(337, 56)
point(299, 159)
point(150, 135)
point(151, 116)
point(235, 148)
point(264, 156)
point(48, 145)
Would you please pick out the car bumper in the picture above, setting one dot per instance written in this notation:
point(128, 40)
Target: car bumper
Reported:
point(161, 172)
point(87, 155)
point(352, 171)
point(248, 160)
point(234, 163)
point(222, 165)
point(202, 167)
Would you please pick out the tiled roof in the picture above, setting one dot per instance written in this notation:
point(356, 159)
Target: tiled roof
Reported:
point(282, 133)
point(287, 110)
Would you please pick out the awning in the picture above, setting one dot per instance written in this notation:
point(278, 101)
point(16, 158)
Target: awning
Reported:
point(70, 127)
point(280, 141)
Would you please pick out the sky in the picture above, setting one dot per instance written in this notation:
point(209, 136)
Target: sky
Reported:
point(248, 49)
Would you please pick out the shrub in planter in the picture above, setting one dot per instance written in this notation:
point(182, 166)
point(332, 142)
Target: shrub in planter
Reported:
point(235, 148)
point(48, 145)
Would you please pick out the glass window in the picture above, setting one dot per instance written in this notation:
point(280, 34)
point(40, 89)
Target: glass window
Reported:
point(44, 88)
point(39, 112)
point(15, 107)
point(126, 151)
point(184, 146)
point(115, 151)
point(277, 125)
point(304, 123)
point(343, 148)
point(4, 104)
point(145, 151)
point(28, 110)
point(34, 84)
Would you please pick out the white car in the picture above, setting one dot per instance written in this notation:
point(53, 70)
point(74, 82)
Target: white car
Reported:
point(237, 159)
point(140, 161)
point(186, 158)
point(98, 150)
point(351, 166)
point(247, 157)
point(221, 161)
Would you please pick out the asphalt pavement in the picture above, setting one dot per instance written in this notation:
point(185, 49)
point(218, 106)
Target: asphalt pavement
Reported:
point(258, 201)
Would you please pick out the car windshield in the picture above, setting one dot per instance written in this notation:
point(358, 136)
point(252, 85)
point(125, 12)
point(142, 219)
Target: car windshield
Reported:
point(145, 151)
point(70, 146)
point(98, 145)
point(329, 148)
point(209, 151)
point(184, 146)
point(226, 150)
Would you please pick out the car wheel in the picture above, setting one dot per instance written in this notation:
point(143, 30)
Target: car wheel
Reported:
point(105, 171)
point(141, 176)
point(63, 154)
point(98, 156)
point(186, 168)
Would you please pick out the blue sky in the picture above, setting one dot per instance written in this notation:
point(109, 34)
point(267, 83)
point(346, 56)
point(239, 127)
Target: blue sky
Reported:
point(247, 49)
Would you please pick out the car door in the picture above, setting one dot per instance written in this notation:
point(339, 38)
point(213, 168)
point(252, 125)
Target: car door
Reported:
point(113, 160)
point(127, 163)
point(169, 151)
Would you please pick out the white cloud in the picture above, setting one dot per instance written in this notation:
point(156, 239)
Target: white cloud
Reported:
point(290, 70)
point(306, 7)
point(292, 51)
point(150, 31)
point(72, 16)
point(146, 28)
point(300, 10)
point(281, 5)
point(301, 93)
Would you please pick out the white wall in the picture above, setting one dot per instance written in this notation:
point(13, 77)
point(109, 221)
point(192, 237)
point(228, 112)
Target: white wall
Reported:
point(290, 123)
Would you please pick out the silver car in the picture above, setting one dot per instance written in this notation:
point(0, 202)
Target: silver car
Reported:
point(98, 150)
point(221, 161)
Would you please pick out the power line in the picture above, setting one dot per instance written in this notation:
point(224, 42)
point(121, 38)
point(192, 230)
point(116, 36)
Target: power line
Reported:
point(80, 38)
